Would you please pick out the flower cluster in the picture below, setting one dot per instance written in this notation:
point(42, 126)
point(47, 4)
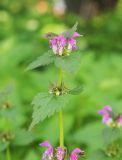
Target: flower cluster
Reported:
point(60, 152)
point(58, 90)
point(62, 45)
point(109, 118)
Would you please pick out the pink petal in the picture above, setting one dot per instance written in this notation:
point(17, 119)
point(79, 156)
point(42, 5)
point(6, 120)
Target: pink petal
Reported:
point(45, 144)
point(75, 152)
point(60, 153)
point(105, 110)
point(76, 34)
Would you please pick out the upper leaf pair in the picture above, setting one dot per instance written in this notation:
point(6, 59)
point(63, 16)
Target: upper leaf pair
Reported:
point(67, 63)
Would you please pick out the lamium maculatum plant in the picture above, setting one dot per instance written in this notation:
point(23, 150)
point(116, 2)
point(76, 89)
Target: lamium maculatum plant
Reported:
point(112, 148)
point(112, 134)
point(65, 55)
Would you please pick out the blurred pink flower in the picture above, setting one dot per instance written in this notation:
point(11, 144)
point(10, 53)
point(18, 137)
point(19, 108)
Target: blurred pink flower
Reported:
point(60, 153)
point(48, 154)
point(75, 153)
point(106, 113)
point(60, 44)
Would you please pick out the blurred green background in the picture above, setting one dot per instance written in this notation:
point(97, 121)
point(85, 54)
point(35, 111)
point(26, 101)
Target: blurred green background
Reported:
point(22, 26)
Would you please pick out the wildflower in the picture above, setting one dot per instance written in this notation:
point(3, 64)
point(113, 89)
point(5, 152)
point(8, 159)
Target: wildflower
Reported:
point(60, 153)
point(75, 153)
point(109, 118)
point(106, 113)
point(48, 154)
point(63, 46)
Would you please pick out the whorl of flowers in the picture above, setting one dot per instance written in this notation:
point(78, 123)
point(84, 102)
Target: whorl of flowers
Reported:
point(109, 118)
point(63, 46)
point(60, 153)
point(64, 43)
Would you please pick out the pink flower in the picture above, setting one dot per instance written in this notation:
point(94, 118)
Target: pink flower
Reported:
point(106, 113)
point(60, 44)
point(75, 153)
point(48, 154)
point(60, 153)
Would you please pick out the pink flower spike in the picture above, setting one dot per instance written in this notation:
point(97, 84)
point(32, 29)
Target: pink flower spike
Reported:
point(48, 154)
point(60, 153)
point(75, 153)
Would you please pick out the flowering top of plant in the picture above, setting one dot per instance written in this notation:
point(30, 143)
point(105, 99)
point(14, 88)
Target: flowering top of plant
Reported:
point(60, 153)
point(109, 118)
point(62, 45)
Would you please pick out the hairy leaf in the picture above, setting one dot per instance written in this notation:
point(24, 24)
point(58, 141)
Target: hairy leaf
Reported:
point(45, 59)
point(69, 63)
point(70, 32)
point(76, 90)
point(45, 105)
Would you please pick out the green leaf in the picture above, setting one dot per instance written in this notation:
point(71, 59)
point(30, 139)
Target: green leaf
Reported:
point(111, 134)
point(4, 94)
point(45, 105)
point(31, 155)
point(3, 146)
point(91, 135)
point(45, 59)
point(23, 137)
point(76, 90)
point(69, 63)
point(70, 32)
point(98, 155)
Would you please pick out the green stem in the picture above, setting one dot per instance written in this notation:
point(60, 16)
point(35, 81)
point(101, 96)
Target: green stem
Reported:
point(61, 129)
point(61, 125)
point(8, 155)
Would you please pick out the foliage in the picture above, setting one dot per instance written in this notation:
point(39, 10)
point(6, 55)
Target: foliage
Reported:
point(100, 74)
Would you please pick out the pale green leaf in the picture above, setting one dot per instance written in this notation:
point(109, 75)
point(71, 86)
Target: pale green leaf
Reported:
point(111, 134)
point(3, 145)
point(98, 155)
point(45, 105)
point(23, 137)
point(70, 32)
point(43, 60)
point(69, 63)
point(77, 90)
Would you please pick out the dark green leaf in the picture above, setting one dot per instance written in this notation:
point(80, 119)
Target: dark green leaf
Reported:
point(45, 59)
point(45, 105)
point(69, 63)
point(70, 32)
point(76, 90)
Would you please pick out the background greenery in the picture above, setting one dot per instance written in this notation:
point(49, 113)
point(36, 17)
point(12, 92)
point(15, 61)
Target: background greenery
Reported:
point(22, 26)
